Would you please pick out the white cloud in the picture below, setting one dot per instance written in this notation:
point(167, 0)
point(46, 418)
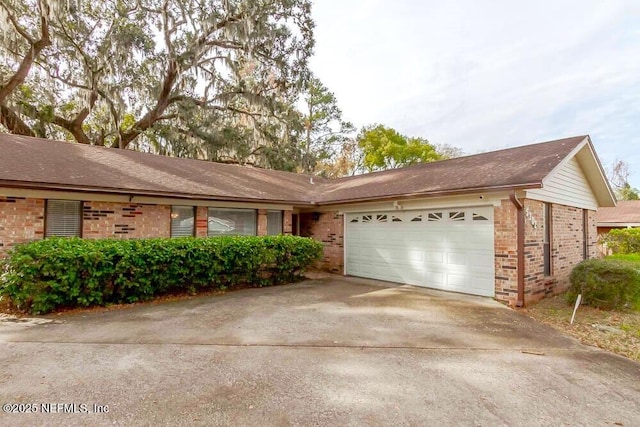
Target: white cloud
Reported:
point(485, 75)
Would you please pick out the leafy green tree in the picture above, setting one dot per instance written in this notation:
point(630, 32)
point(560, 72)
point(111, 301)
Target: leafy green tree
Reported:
point(627, 193)
point(385, 148)
point(324, 129)
point(209, 79)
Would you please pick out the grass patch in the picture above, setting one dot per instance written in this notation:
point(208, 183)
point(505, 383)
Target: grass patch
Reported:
point(626, 257)
point(611, 330)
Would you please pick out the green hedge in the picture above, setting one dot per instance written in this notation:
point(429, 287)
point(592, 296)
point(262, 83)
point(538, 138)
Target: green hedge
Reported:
point(44, 275)
point(623, 240)
point(609, 283)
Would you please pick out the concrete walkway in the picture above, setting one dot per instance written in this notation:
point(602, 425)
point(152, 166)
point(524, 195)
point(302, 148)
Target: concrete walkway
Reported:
point(332, 351)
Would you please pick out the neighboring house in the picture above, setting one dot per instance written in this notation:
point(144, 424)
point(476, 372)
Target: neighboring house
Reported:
point(626, 214)
point(508, 224)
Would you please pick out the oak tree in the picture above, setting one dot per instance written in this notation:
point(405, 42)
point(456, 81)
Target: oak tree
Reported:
point(201, 78)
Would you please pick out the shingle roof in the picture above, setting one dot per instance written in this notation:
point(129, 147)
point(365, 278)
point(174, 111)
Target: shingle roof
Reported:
point(47, 163)
point(519, 167)
point(626, 212)
point(40, 163)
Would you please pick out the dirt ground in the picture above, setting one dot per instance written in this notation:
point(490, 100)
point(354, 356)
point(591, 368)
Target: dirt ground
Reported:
point(614, 331)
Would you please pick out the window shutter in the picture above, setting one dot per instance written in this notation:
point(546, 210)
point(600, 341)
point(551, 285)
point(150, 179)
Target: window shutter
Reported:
point(274, 222)
point(64, 218)
point(182, 221)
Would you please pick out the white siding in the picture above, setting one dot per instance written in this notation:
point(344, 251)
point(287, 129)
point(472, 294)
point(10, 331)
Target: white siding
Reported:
point(567, 186)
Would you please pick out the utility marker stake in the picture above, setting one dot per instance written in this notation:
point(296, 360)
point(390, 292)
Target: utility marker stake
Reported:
point(578, 300)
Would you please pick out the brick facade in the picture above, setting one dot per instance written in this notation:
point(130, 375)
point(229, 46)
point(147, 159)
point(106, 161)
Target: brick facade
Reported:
point(21, 221)
point(287, 222)
point(506, 251)
point(536, 284)
point(568, 240)
point(202, 221)
point(567, 250)
point(125, 220)
point(262, 222)
point(327, 227)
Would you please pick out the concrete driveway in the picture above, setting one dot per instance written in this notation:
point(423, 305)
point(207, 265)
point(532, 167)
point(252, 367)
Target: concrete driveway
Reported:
point(333, 351)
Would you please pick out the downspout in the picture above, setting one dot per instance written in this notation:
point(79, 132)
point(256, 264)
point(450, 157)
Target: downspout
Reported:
point(520, 245)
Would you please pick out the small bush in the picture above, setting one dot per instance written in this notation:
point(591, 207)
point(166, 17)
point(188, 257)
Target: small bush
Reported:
point(44, 275)
point(623, 240)
point(610, 283)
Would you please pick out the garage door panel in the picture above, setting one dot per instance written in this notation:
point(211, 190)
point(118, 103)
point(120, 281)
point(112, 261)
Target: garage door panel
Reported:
point(434, 279)
point(436, 258)
point(457, 258)
point(480, 260)
point(454, 237)
point(442, 253)
point(457, 281)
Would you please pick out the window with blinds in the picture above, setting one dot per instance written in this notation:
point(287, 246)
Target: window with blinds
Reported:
point(274, 223)
point(64, 218)
point(182, 221)
point(231, 222)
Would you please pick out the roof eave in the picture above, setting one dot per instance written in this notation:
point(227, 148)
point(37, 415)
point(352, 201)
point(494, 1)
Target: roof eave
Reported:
point(617, 224)
point(137, 192)
point(605, 195)
point(439, 193)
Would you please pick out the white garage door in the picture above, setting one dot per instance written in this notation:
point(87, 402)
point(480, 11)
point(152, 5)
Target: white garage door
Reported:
point(449, 249)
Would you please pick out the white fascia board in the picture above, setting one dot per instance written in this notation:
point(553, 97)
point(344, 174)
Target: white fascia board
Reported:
point(480, 199)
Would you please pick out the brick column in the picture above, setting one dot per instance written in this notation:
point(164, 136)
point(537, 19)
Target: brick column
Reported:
point(262, 222)
point(287, 222)
point(202, 217)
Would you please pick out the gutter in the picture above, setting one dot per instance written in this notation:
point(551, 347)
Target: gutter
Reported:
point(301, 203)
point(437, 193)
point(134, 192)
point(520, 246)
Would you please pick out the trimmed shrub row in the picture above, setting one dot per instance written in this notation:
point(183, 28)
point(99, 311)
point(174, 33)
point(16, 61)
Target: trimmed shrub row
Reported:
point(611, 283)
point(51, 273)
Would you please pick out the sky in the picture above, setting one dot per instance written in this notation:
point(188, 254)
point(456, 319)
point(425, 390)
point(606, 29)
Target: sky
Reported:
point(487, 75)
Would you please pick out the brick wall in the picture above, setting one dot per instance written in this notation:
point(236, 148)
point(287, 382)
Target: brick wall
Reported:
point(329, 229)
point(21, 220)
point(536, 284)
point(125, 220)
point(568, 238)
point(567, 241)
point(202, 221)
point(262, 222)
point(566, 249)
point(594, 249)
point(287, 222)
point(506, 251)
